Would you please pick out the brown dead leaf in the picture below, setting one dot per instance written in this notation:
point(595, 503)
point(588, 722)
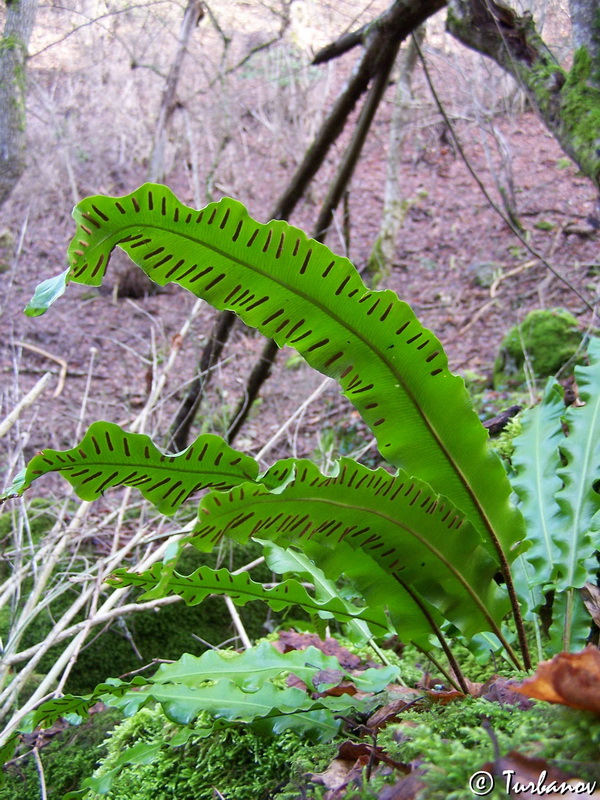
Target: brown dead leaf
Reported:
point(590, 594)
point(390, 711)
point(443, 697)
point(290, 640)
point(500, 690)
point(528, 778)
point(572, 679)
point(337, 775)
point(408, 788)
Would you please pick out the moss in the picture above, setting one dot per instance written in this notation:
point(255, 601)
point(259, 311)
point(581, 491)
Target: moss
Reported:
point(39, 516)
point(237, 762)
point(453, 742)
point(11, 43)
point(549, 338)
point(71, 756)
point(377, 268)
point(544, 225)
point(580, 110)
point(503, 444)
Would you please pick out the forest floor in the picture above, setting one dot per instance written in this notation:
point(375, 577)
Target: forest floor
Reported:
point(449, 232)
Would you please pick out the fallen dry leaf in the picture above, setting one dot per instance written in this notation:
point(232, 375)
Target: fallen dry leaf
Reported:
point(572, 679)
point(444, 696)
point(386, 714)
point(290, 640)
point(590, 594)
point(336, 776)
point(500, 690)
point(408, 788)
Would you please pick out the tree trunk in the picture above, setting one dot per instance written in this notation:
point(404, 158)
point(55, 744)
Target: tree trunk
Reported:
point(191, 17)
point(567, 102)
point(20, 16)
point(132, 282)
point(379, 264)
point(585, 23)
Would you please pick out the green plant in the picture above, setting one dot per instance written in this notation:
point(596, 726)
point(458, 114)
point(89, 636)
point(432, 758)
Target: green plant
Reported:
point(544, 225)
point(240, 763)
point(542, 343)
point(555, 459)
point(425, 543)
point(67, 759)
point(457, 739)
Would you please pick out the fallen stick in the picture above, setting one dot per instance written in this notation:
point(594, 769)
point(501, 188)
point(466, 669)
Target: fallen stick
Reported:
point(24, 403)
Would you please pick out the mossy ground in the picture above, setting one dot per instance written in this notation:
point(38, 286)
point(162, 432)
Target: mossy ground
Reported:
point(235, 763)
point(546, 340)
point(454, 741)
point(449, 742)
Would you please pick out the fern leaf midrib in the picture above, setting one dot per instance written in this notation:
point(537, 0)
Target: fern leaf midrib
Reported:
point(366, 510)
point(583, 488)
point(235, 476)
point(398, 376)
point(539, 460)
point(361, 614)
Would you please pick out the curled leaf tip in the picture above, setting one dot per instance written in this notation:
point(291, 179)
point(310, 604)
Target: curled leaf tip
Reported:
point(46, 293)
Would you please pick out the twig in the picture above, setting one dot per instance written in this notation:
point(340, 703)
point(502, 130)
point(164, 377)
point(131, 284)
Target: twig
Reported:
point(438, 666)
point(180, 429)
point(387, 57)
point(40, 771)
point(94, 621)
point(139, 423)
point(30, 398)
point(62, 661)
point(301, 408)
point(509, 274)
point(249, 566)
point(237, 621)
point(86, 393)
point(61, 361)
point(476, 316)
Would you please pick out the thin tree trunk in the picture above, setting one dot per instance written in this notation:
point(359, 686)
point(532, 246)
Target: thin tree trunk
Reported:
point(567, 102)
point(180, 430)
point(396, 23)
point(132, 282)
point(315, 155)
point(379, 264)
point(194, 12)
point(263, 367)
point(363, 125)
point(20, 17)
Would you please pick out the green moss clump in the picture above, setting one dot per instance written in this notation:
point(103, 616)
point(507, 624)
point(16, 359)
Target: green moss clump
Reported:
point(70, 757)
point(549, 337)
point(453, 744)
point(236, 761)
point(503, 445)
